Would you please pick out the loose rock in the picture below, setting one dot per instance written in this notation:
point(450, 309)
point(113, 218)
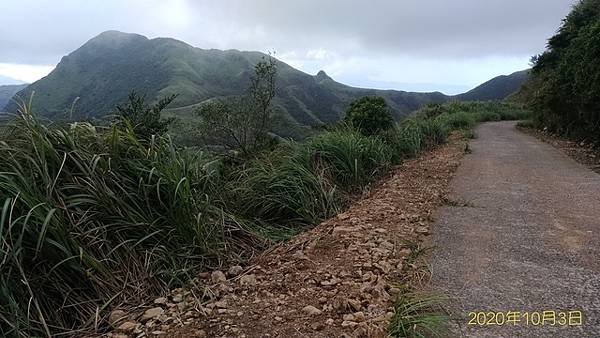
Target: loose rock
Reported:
point(152, 313)
point(311, 310)
point(127, 326)
point(248, 280)
point(348, 323)
point(218, 277)
point(116, 317)
point(234, 271)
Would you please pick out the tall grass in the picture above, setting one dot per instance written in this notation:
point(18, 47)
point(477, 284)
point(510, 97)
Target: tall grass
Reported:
point(303, 184)
point(406, 141)
point(419, 316)
point(352, 159)
point(89, 220)
point(479, 111)
point(286, 188)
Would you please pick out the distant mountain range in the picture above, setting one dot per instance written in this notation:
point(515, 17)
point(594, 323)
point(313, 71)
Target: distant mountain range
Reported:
point(102, 72)
point(497, 88)
point(7, 92)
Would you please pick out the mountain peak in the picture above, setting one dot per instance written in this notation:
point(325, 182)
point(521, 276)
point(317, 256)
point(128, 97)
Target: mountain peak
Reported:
point(117, 34)
point(115, 38)
point(321, 76)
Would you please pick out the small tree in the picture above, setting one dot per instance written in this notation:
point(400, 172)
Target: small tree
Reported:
point(370, 115)
point(143, 118)
point(242, 123)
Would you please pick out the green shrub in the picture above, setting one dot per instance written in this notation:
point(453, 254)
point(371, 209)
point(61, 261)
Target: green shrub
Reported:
point(459, 120)
point(370, 115)
point(145, 120)
point(487, 115)
point(285, 188)
point(353, 159)
point(514, 114)
point(564, 87)
point(91, 219)
point(434, 132)
point(526, 124)
point(433, 110)
point(405, 141)
point(478, 111)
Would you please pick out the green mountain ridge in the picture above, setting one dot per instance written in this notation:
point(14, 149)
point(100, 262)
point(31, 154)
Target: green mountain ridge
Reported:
point(497, 88)
point(89, 82)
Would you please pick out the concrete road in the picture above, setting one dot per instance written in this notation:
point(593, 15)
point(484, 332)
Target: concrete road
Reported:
point(523, 241)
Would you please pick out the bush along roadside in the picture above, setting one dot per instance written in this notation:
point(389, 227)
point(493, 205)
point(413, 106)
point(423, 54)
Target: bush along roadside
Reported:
point(95, 218)
point(563, 91)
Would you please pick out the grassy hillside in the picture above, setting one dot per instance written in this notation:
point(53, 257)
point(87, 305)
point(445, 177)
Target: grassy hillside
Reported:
point(497, 88)
point(88, 83)
point(102, 72)
point(7, 92)
point(564, 91)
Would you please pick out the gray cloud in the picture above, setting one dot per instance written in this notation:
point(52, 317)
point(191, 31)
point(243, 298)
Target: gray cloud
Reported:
point(465, 28)
point(309, 34)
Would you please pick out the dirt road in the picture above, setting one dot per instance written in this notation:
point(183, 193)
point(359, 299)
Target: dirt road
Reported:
point(523, 237)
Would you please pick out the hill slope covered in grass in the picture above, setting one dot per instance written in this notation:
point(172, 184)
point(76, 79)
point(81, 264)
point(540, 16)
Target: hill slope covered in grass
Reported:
point(101, 73)
point(88, 83)
point(497, 88)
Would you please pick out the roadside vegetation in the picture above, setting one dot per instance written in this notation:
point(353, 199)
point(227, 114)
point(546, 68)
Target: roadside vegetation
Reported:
point(95, 217)
point(419, 316)
point(564, 90)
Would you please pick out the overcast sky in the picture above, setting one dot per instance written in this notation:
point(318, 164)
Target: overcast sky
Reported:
point(423, 45)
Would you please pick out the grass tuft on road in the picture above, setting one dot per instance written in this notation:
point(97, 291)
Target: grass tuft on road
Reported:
point(418, 316)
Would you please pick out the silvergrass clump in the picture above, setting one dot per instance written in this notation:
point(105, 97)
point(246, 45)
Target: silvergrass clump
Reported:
point(418, 315)
point(353, 160)
point(302, 184)
point(286, 188)
point(480, 111)
point(91, 219)
point(434, 132)
point(458, 120)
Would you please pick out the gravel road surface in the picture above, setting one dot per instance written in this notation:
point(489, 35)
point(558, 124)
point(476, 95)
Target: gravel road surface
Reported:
point(522, 235)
